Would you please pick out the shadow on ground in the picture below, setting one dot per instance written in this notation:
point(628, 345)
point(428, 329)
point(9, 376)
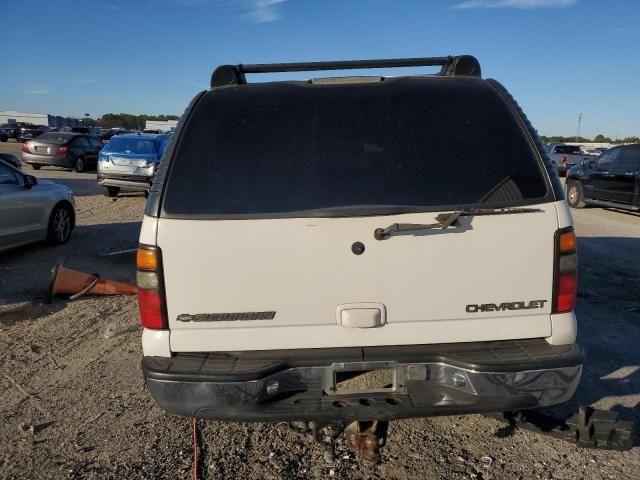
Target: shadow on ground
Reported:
point(82, 187)
point(25, 272)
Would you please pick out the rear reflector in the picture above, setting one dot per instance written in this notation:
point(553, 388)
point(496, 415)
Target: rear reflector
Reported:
point(567, 242)
point(567, 290)
point(150, 305)
point(147, 258)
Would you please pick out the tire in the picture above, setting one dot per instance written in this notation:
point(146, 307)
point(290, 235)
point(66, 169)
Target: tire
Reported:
point(111, 191)
point(78, 164)
point(575, 198)
point(35, 166)
point(60, 224)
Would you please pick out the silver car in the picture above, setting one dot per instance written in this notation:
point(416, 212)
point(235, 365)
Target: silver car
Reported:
point(33, 210)
point(130, 162)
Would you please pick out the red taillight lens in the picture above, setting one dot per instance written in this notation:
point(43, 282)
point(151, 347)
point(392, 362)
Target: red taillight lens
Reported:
point(150, 288)
point(63, 150)
point(150, 304)
point(25, 148)
point(565, 158)
point(566, 266)
point(567, 292)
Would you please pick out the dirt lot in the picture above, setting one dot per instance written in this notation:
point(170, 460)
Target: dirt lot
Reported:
point(93, 418)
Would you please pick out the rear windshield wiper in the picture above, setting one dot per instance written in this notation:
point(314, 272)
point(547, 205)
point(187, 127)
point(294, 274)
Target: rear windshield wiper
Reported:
point(444, 221)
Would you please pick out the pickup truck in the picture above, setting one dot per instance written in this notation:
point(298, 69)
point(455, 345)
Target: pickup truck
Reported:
point(566, 156)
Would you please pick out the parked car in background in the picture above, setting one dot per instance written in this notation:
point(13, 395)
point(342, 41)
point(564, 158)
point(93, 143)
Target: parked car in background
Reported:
point(62, 149)
point(92, 131)
point(113, 132)
point(611, 180)
point(565, 156)
point(12, 129)
point(33, 210)
point(129, 162)
point(4, 136)
point(29, 132)
point(11, 160)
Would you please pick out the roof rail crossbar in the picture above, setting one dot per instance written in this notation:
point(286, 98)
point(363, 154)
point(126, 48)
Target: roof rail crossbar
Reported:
point(464, 65)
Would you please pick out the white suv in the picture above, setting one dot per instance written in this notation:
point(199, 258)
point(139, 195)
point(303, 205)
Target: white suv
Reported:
point(353, 249)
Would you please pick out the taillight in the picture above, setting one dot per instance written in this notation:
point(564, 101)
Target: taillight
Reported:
point(566, 271)
point(63, 150)
point(25, 148)
point(565, 158)
point(151, 299)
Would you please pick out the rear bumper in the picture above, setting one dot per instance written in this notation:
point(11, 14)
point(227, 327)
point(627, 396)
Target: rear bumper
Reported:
point(428, 380)
point(54, 160)
point(137, 182)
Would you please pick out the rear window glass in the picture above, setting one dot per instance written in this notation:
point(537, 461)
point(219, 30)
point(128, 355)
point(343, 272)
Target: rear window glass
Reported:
point(404, 145)
point(55, 137)
point(134, 146)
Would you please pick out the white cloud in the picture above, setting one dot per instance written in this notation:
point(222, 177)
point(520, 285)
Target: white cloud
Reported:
point(113, 8)
point(263, 11)
point(256, 11)
point(515, 4)
point(37, 91)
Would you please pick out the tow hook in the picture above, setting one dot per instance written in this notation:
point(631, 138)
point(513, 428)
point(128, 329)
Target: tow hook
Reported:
point(367, 438)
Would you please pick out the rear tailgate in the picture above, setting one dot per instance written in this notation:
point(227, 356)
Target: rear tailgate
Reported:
point(304, 270)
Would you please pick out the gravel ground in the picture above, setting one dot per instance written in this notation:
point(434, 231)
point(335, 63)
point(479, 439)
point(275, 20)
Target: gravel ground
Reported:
point(84, 396)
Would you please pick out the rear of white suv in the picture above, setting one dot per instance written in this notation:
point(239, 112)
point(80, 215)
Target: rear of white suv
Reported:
point(354, 249)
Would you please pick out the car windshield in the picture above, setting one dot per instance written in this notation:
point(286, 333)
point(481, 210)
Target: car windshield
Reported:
point(131, 146)
point(417, 143)
point(55, 137)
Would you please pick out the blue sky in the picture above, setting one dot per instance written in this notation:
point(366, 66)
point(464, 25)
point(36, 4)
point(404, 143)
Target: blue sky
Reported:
point(557, 57)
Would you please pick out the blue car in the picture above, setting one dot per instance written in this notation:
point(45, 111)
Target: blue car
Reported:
point(129, 162)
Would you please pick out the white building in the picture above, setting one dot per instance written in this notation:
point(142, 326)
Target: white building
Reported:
point(10, 116)
point(164, 126)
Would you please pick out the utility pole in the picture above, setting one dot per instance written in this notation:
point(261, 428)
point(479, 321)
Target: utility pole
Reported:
point(579, 122)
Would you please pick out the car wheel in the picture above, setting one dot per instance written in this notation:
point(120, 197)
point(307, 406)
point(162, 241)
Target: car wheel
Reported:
point(575, 199)
point(35, 166)
point(60, 224)
point(111, 191)
point(78, 165)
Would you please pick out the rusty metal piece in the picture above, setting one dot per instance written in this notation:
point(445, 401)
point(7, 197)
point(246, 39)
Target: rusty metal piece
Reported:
point(366, 438)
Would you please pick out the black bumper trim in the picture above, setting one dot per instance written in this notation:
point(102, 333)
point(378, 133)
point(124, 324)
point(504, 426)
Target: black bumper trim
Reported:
point(502, 356)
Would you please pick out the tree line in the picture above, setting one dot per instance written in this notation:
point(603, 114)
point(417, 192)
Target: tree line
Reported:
point(597, 139)
point(126, 120)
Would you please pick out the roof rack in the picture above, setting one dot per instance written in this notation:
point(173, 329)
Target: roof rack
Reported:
point(463, 65)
